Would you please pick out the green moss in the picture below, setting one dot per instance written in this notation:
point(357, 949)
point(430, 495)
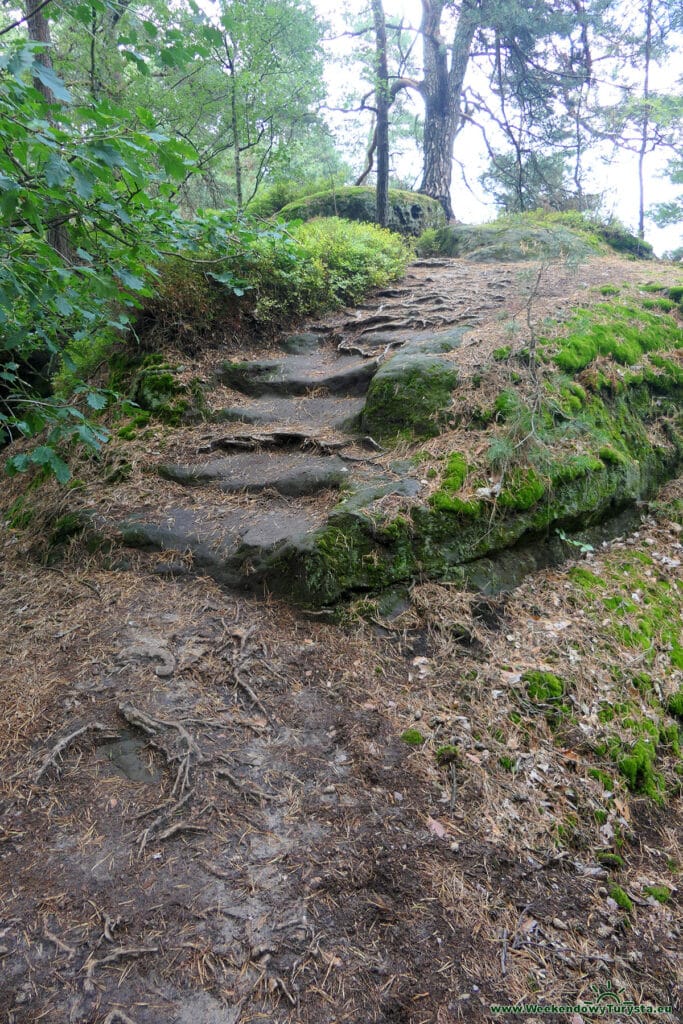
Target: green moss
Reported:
point(413, 737)
point(456, 472)
point(674, 704)
point(586, 580)
point(623, 332)
point(675, 293)
point(665, 305)
point(507, 762)
point(543, 687)
point(669, 736)
point(575, 467)
point(152, 392)
point(67, 526)
point(516, 238)
point(441, 501)
point(19, 514)
point(643, 683)
point(507, 404)
point(600, 776)
point(410, 213)
point(522, 489)
point(638, 768)
point(500, 354)
point(609, 289)
point(610, 860)
point(658, 892)
point(445, 499)
point(446, 755)
point(611, 456)
point(621, 898)
point(410, 394)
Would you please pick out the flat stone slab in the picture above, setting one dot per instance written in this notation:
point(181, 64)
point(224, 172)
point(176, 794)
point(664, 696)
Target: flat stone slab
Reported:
point(300, 374)
point(293, 474)
point(335, 413)
point(230, 546)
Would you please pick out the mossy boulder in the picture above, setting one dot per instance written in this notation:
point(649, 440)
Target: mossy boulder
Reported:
point(410, 395)
point(409, 212)
point(486, 243)
point(532, 236)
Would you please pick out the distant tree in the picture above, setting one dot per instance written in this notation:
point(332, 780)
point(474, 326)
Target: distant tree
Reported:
point(670, 212)
point(645, 120)
point(523, 180)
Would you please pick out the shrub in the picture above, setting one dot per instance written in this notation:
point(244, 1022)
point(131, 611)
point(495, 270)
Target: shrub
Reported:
point(319, 265)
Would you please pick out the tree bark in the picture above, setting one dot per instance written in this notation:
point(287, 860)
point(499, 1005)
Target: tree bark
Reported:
point(237, 158)
point(645, 123)
point(38, 28)
point(382, 107)
point(442, 92)
point(39, 32)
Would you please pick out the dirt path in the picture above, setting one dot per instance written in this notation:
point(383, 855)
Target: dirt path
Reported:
point(209, 814)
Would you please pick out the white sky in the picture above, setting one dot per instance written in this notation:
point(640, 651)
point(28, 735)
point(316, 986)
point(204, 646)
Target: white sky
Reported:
point(617, 180)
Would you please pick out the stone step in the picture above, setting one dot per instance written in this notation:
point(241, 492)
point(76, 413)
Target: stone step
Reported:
point(331, 413)
point(234, 547)
point(300, 374)
point(293, 474)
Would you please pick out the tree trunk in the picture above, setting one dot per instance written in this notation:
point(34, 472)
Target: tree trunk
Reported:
point(39, 32)
point(382, 106)
point(237, 158)
point(442, 92)
point(645, 124)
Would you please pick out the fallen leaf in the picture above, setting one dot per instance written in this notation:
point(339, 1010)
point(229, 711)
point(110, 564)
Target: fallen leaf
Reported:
point(436, 827)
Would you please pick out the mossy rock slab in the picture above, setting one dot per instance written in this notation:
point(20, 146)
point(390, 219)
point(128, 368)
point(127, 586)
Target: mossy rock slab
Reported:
point(356, 551)
point(291, 474)
point(491, 243)
point(299, 375)
point(409, 395)
point(410, 213)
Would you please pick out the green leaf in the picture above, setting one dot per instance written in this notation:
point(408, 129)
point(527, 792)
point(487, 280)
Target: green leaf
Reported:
point(96, 400)
point(17, 464)
point(51, 81)
point(56, 171)
point(130, 280)
point(63, 306)
point(137, 59)
point(85, 183)
point(107, 154)
point(47, 457)
point(175, 166)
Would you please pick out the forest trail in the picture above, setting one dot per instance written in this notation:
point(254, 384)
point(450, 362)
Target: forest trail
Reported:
point(213, 809)
point(288, 430)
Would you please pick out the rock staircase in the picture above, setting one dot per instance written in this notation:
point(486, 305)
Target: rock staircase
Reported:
point(297, 447)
